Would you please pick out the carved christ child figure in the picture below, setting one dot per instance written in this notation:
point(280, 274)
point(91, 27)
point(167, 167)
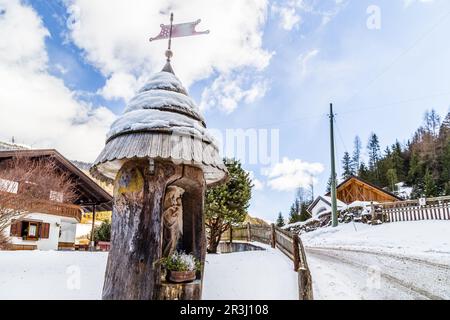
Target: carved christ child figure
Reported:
point(172, 219)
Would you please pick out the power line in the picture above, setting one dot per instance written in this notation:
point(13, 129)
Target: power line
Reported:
point(340, 136)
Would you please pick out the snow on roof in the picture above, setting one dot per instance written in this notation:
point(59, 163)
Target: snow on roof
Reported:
point(339, 202)
point(163, 80)
point(163, 122)
point(169, 100)
point(7, 146)
point(161, 104)
point(360, 204)
point(137, 120)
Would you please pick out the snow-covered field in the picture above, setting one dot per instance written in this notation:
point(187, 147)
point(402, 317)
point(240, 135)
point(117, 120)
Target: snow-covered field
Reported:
point(79, 275)
point(405, 260)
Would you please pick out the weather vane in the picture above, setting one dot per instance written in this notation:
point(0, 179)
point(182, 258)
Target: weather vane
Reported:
point(177, 30)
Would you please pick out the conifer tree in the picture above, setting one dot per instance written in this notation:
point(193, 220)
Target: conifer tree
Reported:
point(280, 220)
point(294, 213)
point(391, 175)
point(227, 204)
point(429, 185)
point(347, 168)
point(356, 158)
point(373, 148)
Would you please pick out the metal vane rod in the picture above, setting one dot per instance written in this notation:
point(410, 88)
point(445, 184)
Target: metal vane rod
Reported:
point(170, 34)
point(169, 53)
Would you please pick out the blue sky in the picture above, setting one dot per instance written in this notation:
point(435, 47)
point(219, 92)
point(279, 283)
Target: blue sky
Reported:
point(68, 68)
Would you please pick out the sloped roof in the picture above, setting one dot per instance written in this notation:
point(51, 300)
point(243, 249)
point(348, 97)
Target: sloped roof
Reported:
point(161, 122)
point(325, 199)
point(90, 192)
point(377, 188)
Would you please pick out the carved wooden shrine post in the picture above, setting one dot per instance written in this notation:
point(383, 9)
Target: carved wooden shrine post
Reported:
point(160, 158)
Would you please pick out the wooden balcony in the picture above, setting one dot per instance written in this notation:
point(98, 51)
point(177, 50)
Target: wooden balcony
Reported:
point(19, 202)
point(58, 209)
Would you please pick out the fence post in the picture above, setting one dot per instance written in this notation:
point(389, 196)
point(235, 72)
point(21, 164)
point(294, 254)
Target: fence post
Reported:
point(296, 250)
point(273, 242)
point(305, 284)
point(249, 233)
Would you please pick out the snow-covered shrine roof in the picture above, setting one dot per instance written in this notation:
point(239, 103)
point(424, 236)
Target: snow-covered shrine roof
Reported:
point(161, 122)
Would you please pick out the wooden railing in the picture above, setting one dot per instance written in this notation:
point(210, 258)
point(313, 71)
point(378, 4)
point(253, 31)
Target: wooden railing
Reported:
point(413, 210)
point(287, 242)
point(42, 206)
point(59, 209)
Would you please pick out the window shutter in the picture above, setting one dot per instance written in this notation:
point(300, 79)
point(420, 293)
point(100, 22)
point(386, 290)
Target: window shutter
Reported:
point(16, 228)
point(45, 230)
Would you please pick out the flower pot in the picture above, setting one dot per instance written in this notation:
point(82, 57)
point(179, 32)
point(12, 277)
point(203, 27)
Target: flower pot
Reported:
point(181, 276)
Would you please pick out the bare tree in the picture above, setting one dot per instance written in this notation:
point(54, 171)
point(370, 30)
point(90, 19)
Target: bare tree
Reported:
point(27, 183)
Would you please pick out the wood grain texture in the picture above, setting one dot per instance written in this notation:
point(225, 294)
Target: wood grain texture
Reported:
point(136, 230)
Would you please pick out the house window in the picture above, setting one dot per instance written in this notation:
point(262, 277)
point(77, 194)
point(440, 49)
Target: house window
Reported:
point(9, 186)
point(30, 230)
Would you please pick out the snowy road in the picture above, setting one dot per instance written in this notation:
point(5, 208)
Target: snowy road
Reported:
point(340, 273)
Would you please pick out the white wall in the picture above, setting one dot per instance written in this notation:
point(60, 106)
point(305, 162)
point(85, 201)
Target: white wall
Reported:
point(67, 225)
point(319, 207)
point(68, 230)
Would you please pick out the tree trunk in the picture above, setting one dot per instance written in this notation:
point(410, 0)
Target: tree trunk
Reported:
point(214, 240)
point(136, 233)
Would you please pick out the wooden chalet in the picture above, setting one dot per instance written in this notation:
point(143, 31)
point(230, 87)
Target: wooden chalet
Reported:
point(51, 225)
point(355, 189)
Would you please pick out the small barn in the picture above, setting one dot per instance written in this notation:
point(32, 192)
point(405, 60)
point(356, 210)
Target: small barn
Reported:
point(51, 224)
point(355, 189)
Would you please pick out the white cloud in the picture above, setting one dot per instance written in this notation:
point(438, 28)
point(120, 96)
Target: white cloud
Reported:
point(289, 174)
point(288, 16)
point(291, 12)
point(119, 85)
point(36, 107)
point(305, 58)
point(229, 90)
point(114, 36)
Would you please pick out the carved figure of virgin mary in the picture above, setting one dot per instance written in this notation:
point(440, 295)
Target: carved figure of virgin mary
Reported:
point(172, 219)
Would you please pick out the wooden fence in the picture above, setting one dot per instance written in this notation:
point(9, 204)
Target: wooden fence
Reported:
point(414, 210)
point(287, 242)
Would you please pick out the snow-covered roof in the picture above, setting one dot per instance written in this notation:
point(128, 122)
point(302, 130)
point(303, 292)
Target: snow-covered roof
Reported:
point(360, 204)
point(339, 202)
point(7, 146)
point(161, 122)
point(327, 200)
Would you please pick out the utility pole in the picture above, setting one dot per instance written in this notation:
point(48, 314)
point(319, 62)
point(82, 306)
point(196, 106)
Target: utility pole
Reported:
point(333, 171)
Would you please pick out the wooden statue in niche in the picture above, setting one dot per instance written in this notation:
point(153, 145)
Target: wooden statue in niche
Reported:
point(172, 219)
